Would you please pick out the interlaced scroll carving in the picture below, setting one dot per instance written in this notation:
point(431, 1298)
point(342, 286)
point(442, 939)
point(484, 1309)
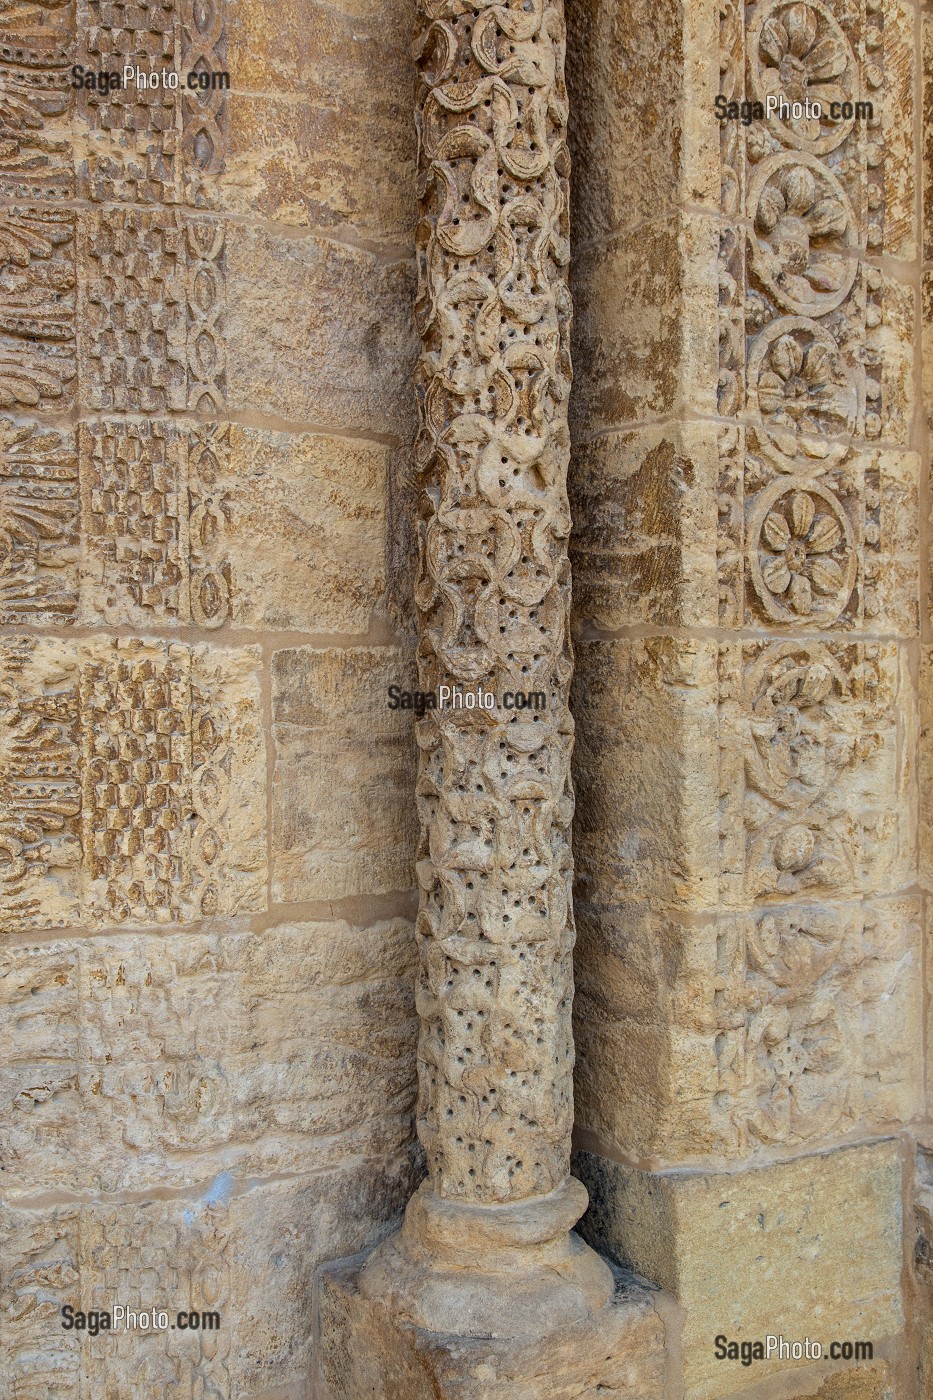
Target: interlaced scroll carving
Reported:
point(494, 792)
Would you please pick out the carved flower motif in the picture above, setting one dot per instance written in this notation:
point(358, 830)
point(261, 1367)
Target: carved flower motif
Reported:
point(804, 396)
point(803, 222)
point(800, 544)
point(799, 1055)
point(802, 54)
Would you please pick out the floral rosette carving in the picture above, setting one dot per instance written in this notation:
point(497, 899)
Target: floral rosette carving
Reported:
point(798, 53)
point(802, 553)
point(802, 397)
point(804, 229)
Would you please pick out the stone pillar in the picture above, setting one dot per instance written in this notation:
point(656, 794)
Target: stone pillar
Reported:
point(485, 1251)
point(744, 491)
point(495, 924)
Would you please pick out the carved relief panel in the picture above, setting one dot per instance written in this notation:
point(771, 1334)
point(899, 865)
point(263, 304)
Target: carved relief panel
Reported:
point(809, 368)
point(125, 776)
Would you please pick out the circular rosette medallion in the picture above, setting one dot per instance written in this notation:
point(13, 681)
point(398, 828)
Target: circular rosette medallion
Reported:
point(801, 396)
point(801, 553)
point(797, 54)
point(804, 234)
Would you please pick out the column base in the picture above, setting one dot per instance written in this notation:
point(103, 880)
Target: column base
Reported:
point(490, 1271)
point(366, 1352)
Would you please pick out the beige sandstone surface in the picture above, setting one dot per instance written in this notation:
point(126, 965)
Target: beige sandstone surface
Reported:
point(209, 819)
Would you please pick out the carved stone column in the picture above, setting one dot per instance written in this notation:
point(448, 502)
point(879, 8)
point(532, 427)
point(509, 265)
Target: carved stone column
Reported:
point(493, 597)
point(486, 1250)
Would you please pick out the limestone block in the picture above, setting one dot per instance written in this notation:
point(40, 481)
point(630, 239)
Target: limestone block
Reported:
point(656, 353)
point(334, 734)
point(734, 1247)
point(183, 1254)
point(926, 336)
point(926, 80)
point(645, 767)
point(182, 1056)
point(855, 1383)
point(319, 117)
point(833, 820)
point(644, 550)
point(726, 1038)
point(640, 148)
point(365, 1353)
point(323, 337)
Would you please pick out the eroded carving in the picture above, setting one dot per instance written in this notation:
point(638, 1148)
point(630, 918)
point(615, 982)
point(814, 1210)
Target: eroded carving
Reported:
point(494, 792)
point(38, 524)
point(122, 788)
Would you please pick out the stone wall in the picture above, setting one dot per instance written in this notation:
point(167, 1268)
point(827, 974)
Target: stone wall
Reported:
point(747, 437)
point(207, 814)
point(207, 824)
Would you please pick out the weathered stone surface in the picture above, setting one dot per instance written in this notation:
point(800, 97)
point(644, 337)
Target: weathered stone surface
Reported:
point(644, 550)
point(734, 1247)
point(334, 733)
point(183, 1254)
point(724, 1037)
point(186, 1056)
point(365, 1351)
point(319, 127)
point(289, 352)
point(658, 353)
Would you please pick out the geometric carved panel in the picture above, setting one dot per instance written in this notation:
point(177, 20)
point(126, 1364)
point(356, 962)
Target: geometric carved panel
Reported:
point(152, 312)
point(154, 524)
point(123, 783)
point(154, 145)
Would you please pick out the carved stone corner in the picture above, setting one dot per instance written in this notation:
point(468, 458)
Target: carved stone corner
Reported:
point(586, 1341)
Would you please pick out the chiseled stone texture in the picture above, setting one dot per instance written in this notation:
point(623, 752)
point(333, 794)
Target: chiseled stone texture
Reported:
point(365, 1353)
point(644, 546)
point(343, 815)
point(652, 357)
point(178, 1254)
point(320, 129)
point(808, 1248)
point(307, 531)
point(135, 1061)
point(857, 1383)
point(636, 148)
point(290, 355)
